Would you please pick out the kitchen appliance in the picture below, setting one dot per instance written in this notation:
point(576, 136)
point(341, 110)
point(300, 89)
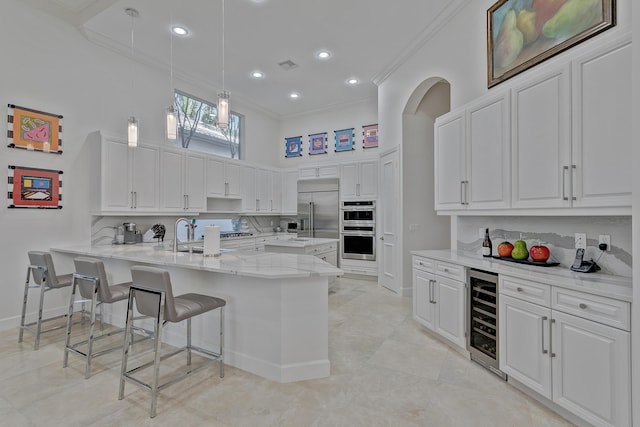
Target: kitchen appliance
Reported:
point(581, 266)
point(292, 227)
point(482, 309)
point(358, 230)
point(318, 208)
point(130, 233)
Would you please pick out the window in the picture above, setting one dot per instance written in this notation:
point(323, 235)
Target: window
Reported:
point(197, 127)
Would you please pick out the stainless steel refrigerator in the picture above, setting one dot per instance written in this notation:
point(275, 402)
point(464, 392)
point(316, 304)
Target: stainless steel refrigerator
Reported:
point(318, 208)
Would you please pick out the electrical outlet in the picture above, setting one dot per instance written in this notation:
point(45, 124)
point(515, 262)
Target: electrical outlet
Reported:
point(581, 240)
point(606, 239)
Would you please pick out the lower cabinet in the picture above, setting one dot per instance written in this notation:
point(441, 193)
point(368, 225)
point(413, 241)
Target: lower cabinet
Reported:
point(582, 365)
point(438, 301)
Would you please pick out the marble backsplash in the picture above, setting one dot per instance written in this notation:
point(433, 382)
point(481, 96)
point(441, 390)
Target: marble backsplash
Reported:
point(558, 234)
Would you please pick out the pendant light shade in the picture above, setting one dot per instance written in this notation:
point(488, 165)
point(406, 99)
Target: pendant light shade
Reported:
point(172, 123)
point(132, 132)
point(223, 109)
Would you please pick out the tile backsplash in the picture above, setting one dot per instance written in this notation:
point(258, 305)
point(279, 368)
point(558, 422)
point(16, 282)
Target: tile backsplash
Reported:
point(558, 234)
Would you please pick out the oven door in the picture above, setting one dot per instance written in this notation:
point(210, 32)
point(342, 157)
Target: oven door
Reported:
point(359, 245)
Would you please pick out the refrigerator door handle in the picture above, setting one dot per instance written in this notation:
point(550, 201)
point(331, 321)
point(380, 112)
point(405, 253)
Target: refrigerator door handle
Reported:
point(311, 224)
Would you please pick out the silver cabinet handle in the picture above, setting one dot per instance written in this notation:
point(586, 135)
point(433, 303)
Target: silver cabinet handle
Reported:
point(565, 169)
point(445, 269)
point(466, 192)
point(461, 191)
point(135, 200)
point(358, 189)
point(430, 291)
point(131, 205)
point(573, 170)
point(421, 263)
point(226, 188)
point(519, 289)
point(187, 205)
point(544, 351)
point(551, 341)
point(382, 238)
point(582, 305)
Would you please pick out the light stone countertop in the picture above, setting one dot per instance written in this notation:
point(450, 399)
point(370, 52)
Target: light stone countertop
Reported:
point(267, 265)
point(602, 284)
point(301, 242)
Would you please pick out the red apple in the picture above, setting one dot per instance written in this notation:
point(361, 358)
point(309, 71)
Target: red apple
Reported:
point(504, 249)
point(539, 253)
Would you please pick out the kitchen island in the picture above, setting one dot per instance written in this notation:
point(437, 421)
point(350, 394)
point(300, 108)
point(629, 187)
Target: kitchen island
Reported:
point(276, 319)
point(325, 249)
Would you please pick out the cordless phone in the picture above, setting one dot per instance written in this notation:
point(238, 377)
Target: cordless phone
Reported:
point(582, 266)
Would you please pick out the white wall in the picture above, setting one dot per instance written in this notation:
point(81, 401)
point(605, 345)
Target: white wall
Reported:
point(351, 116)
point(50, 66)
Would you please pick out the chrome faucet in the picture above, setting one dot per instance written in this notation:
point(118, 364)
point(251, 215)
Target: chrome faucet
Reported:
point(175, 229)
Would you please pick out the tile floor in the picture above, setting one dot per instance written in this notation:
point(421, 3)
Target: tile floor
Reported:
point(385, 371)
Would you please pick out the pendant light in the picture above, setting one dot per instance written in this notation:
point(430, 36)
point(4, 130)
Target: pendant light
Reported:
point(223, 97)
point(132, 124)
point(172, 119)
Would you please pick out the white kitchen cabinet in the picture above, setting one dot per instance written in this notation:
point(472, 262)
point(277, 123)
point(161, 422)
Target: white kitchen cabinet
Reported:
point(439, 299)
point(602, 122)
point(449, 168)
point(128, 176)
point(276, 192)
point(258, 193)
point(290, 192)
point(249, 191)
point(224, 179)
point(580, 364)
point(323, 171)
point(263, 190)
point(182, 183)
point(359, 181)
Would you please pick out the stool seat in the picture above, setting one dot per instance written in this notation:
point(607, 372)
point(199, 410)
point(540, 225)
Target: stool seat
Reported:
point(189, 305)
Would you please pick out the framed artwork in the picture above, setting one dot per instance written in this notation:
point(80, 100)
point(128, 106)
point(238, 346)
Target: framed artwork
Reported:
point(34, 188)
point(34, 130)
point(344, 139)
point(318, 143)
point(370, 136)
point(293, 146)
point(523, 33)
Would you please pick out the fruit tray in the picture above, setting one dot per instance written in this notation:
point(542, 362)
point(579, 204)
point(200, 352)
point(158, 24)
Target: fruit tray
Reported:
point(527, 262)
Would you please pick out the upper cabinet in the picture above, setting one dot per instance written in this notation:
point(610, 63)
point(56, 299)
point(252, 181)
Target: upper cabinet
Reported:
point(182, 182)
point(557, 142)
point(224, 178)
point(472, 153)
point(128, 176)
point(359, 181)
point(290, 192)
point(324, 171)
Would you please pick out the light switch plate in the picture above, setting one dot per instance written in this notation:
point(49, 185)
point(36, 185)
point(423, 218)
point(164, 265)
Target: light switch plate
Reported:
point(581, 240)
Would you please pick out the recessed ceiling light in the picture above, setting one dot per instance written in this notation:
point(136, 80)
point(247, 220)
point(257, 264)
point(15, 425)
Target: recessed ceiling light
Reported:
point(180, 31)
point(323, 54)
point(353, 81)
point(294, 95)
point(257, 74)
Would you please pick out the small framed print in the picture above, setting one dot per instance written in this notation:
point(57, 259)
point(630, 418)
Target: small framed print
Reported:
point(34, 188)
point(34, 130)
point(370, 136)
point(344, 140)
point(318, 143)
point(293, 146)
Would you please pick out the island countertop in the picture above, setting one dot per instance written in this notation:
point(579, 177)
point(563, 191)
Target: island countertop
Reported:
point(301, 242)
point(266, 265)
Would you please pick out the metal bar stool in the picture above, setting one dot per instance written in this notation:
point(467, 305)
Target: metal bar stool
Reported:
point(91, 279)
point(153, 296)
point(44, 277)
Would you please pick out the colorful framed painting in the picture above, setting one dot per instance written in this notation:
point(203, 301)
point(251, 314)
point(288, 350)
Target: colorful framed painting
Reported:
point(318, 143)
point(523, 33)
point(34, 188)
point(293, 146)
point(34, 130)
point(344, 139)
point(370, 136)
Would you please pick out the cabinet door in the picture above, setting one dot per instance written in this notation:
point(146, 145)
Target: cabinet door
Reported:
point(450, 310)
point(276, 192)
point(233, 175)
point(171, 180)
point(328, 171)
point(489, 153)
point(290, 192)
point(348, 180)
point(423, 307)
point(194, 182)
point(263, 190)
point(450, 161)
point(305, 173)
point(216, 180)
point(524, 339)
point(249, 189)
point(144, 172)
point(541, 141)
point(591, 370)
point(368, 180)
point(602, 134)
point(116, 177)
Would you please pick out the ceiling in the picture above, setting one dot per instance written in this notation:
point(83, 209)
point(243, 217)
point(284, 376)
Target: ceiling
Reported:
point(367, 39)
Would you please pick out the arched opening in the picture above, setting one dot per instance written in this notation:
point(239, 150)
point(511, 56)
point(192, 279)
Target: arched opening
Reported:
point(422, 227)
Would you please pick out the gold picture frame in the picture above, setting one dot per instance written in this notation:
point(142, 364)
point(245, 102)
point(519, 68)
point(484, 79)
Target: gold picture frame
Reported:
point(523, 33)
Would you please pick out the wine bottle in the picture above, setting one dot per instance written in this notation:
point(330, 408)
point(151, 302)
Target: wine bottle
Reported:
point(486, 244)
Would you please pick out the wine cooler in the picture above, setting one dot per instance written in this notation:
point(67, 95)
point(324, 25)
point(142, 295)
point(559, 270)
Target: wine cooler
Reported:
point(482, 336)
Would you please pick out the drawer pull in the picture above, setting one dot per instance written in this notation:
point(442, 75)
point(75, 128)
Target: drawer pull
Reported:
point(446, 270)
point(519, 289)
point(421, 263)
point(582, 305)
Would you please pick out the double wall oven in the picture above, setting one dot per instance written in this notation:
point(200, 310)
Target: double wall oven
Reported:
point(358, 230)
